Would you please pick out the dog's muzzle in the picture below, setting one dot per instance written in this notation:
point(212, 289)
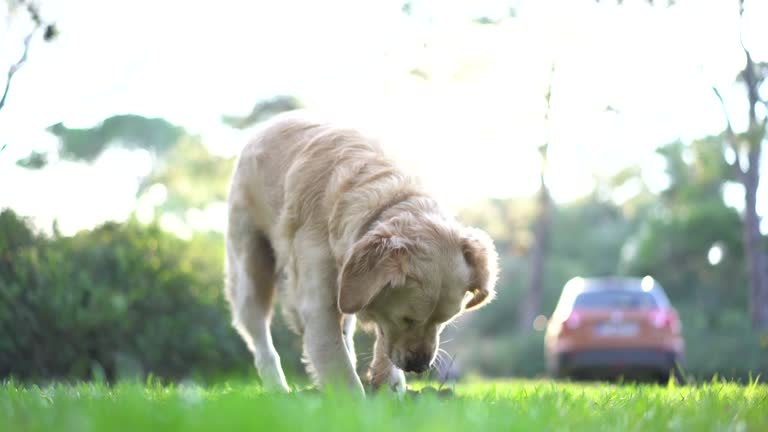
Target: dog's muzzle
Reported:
point(417, 362)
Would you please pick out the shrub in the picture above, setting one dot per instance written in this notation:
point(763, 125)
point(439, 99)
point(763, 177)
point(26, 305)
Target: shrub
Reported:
point(733, 353)
point(730, 350)
point(119, 300)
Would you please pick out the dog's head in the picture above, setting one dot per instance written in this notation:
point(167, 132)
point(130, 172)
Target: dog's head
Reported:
point(410, 276)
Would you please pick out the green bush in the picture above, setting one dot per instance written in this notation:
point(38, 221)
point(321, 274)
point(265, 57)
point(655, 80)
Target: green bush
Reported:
point(519, 355)
point(731, 350)
point(733, 353)
point(128, 299)
point(119, 300)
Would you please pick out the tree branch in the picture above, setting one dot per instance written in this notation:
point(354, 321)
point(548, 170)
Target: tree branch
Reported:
point(749, 74)
point(730, 136)
point(16, 66)
point(48, 35)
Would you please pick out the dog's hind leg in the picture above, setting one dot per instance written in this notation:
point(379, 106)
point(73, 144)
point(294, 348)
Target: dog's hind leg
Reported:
point(251, 277)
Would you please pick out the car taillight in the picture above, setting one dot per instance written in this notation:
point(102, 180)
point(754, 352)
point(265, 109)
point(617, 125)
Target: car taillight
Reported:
point(573, 321)
point(665, 319)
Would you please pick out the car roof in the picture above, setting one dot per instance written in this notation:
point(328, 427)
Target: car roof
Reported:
point(627, 283)
point(618, 283)
point(580, 285)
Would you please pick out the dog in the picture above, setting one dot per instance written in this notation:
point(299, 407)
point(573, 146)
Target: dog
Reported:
point(319, 213)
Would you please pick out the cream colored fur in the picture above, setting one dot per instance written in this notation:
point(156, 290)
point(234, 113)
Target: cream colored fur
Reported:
point(353, 236)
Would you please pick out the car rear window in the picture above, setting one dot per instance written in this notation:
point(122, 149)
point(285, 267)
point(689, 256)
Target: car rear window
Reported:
point(615, 299)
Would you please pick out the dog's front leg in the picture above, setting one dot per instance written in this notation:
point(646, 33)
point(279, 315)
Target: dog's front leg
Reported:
point(383, 371)
point(325, 349)
point(348, 330)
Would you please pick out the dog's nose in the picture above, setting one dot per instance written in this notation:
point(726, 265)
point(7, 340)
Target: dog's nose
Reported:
point(417, 362)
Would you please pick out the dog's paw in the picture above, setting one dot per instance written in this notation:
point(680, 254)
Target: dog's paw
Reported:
point(397, 381)
point(275, 387)
point(274, 381)
point(441, 393)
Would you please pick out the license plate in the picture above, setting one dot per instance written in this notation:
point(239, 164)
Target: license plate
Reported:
point(625, 329)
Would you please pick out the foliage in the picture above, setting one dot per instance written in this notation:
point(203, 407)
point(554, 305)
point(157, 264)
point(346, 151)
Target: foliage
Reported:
point(129, 131)
point(696, 171)
point(734, 352)
point(263, 110)
point(668, 237)
point(713, 314)
point(731, 350)
point(493, 405)
point(673, 242)
point(122, 299)
point(503, 355)
point(587, 238)
point(192, 176)
point(673, 247)
point(117, 278)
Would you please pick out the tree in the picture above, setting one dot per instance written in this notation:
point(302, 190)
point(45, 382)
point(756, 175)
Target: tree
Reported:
point(129, 131)
point(690, 240)
point(191, 176)
point(126, 130)
point(542, 226)
point(747, 147)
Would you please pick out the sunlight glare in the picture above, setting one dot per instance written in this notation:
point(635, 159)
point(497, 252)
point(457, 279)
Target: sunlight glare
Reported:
point(647, 283)
point(540, 323)
point(715, 254)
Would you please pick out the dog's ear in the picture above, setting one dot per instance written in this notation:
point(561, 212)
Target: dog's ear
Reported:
point(374, 262)
point(482, 259)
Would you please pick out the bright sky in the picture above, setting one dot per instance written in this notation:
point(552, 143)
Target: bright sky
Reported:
point(471, 130)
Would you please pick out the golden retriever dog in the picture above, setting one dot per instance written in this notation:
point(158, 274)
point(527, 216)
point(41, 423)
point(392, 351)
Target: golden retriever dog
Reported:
point(319, 214)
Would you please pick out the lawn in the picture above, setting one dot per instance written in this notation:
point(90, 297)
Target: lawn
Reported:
point(479, 406)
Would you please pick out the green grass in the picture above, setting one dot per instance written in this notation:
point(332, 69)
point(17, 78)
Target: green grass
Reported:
point(480, 406)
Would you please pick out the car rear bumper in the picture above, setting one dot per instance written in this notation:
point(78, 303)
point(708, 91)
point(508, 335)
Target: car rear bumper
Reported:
point(619, 359)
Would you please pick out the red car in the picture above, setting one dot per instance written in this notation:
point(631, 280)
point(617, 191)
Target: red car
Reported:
point(611, 327)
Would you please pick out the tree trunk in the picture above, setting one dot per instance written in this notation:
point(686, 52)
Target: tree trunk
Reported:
point(531, 306)
point(754, 249)
point(749, 177)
